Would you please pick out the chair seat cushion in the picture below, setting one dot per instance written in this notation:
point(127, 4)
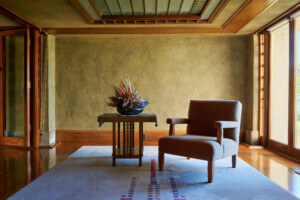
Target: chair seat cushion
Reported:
point(198, 146)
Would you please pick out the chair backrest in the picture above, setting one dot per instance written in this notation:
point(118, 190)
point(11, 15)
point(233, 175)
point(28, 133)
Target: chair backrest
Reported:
point(203, 114)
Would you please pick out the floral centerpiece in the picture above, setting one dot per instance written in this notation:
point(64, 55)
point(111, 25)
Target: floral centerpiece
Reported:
point(127, 100)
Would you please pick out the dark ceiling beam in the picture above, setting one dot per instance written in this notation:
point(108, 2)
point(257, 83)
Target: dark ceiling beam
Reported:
point(180, 7)
point(17, 17)
point(119, 5)
point(169, 2)
point(144, 7)
point(192, 7)
point(156, 7)
point(132, 9)
point(107, 7)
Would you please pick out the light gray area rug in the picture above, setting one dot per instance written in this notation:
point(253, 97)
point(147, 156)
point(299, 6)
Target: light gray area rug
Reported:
point(88, 174)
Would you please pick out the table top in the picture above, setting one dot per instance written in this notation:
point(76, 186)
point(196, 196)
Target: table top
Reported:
point(116, 117)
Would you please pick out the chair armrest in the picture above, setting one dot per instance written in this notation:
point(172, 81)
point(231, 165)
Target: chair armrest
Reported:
point(177, 121)
point(173, 121)
point(226, 124)
point(220, 125)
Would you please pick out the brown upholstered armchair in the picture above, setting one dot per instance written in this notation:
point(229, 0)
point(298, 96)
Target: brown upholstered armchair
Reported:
point(212, 133)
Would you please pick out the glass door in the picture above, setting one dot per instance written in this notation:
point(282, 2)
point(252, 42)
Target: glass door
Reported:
point(15, 85)
point(279, 84)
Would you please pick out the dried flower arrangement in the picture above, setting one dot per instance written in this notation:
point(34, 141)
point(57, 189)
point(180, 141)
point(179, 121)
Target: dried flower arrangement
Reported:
point(127, 97)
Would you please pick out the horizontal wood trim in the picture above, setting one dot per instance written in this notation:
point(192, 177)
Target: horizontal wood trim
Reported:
point(104, 137)
point(13, 141)
point(136, 30)
point(247, 12)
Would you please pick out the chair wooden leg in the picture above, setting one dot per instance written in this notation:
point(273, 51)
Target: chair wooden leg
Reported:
point(211, 169)
point(161, 160)
point(234, 161)
point(188, 157)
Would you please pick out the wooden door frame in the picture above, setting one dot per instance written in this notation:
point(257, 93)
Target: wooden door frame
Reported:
point(11, 141)
point(287, 149)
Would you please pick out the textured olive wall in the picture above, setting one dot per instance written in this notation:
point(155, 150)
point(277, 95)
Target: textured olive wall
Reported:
point(168, 69)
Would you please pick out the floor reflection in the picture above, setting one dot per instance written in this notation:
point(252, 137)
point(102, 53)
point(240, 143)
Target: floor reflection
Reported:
point(20, 167)
point(279, 169)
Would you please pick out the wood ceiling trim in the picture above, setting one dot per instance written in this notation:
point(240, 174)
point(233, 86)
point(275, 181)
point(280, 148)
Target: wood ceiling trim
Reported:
point(96, 8)
point(204, 8)
point(164, 20)
point(80, 8)
point(217, 11)
point(136, 30)
point(247, 12)
point(4, 10)
point(283, 16)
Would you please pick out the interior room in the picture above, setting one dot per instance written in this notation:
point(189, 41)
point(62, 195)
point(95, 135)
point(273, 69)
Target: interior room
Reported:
point(150, 99)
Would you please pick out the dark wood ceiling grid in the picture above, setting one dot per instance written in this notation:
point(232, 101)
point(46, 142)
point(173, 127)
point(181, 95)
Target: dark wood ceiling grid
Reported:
point(148, 11)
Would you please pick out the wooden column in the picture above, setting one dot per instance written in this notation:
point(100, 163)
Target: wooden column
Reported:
point(35, 89)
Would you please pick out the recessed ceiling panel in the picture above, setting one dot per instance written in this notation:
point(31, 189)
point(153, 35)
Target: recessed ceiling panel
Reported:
point(186, 6)
point(162, 6)
point(198, 6)
point(174, 7)
point(150, 11)
point(113, 7)
point(125, 7)
point(138, 7)
point(150, 7)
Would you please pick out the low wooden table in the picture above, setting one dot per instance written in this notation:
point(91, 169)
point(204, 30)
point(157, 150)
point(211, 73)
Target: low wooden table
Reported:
point(128, 150)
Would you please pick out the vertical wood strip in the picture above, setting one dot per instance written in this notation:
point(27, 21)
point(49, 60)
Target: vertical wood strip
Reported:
point(1, 90)
point(27, 89)
point(267, 47)
point(35, 89)
point(292, 88)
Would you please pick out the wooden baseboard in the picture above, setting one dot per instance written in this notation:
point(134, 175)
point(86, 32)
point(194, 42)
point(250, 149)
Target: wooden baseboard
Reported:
point(56, 144)
point(252, 146)
point(104, 137)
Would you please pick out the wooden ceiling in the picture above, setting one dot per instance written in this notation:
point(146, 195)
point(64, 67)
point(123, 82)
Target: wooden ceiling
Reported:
point(149, 11)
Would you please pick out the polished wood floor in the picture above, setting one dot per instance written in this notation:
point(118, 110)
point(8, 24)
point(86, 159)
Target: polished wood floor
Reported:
point(19, 167)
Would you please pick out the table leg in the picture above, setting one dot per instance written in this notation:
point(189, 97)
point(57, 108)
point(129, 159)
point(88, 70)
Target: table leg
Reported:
point(114, 143)
point(119, 135)
point(141, 146)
